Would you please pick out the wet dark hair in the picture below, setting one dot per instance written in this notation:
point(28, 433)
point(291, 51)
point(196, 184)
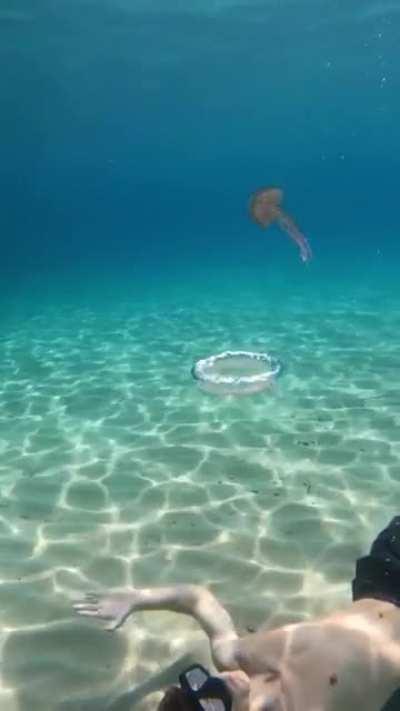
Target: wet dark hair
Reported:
point(174, 699)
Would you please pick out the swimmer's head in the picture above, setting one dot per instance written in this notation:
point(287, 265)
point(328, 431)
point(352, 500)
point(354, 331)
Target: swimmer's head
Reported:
point(200, 691)
point(174, 699)
point(228, 691)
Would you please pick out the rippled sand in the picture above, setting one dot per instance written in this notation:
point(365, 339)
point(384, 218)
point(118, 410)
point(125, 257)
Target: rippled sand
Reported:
point(115, 470)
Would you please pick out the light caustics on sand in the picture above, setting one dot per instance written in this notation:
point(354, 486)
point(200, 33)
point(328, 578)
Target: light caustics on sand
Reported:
point(265, 208)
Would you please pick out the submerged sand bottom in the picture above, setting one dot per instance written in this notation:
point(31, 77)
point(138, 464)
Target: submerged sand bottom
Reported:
point(117, 470)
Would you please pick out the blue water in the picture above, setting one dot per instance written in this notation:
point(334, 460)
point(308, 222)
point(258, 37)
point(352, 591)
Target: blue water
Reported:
point(135, 132)
point(132, 135)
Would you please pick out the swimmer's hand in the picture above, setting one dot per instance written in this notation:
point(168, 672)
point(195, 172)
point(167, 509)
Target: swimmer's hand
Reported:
point(111, 608)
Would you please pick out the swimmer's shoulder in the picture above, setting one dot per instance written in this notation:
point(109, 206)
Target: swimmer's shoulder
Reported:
point(384, 617)
point(264, 650)
point(367, 629)
point(345, 629)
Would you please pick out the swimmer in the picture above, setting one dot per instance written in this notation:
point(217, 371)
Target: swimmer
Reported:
point(348, 660)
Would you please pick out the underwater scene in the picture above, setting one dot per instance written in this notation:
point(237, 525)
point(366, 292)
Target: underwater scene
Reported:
point(184, 179)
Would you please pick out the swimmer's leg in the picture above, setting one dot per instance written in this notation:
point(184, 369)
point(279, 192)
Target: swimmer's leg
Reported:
point(193, 600)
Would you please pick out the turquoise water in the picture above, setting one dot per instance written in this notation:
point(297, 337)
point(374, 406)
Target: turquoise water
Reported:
point(132, 138)
point(117, 470)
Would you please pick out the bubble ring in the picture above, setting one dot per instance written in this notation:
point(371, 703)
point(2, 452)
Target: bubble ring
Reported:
point(205, 371)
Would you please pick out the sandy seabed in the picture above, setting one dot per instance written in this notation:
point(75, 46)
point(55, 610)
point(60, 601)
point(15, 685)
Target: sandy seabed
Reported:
point(116, 470)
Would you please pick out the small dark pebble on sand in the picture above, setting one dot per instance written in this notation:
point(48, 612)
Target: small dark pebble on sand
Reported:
point(333, 679)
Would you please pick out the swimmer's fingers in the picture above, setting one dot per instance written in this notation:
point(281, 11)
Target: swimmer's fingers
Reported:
point(113, 607)
point(112, 625)
point(83, 608)
point(91, 610)
point(109, 621)
point(92, 597)
point(90, 603)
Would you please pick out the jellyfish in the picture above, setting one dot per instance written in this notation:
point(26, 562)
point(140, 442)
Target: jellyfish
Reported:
point(265, 208)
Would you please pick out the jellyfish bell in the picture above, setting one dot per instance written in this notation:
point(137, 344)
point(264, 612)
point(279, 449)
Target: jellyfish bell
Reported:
point(265, 208)
point(264, 205)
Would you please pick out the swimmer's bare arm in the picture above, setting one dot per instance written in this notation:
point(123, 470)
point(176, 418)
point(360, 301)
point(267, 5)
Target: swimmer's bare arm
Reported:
point(193, 600)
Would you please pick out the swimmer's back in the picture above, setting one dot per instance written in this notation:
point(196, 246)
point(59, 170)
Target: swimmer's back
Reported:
point(348, 661)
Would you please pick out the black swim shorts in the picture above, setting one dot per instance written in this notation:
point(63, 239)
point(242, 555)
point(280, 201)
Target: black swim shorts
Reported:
point(378, 574)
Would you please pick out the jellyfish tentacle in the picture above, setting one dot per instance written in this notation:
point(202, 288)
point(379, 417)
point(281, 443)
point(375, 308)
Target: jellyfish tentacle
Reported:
point(265, 209)
point(289, 226)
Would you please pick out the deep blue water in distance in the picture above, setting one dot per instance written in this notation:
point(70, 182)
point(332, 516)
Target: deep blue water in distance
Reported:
point(132, 133)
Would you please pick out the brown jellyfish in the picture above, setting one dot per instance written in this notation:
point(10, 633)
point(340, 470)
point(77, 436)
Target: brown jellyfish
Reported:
point(265, 208)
